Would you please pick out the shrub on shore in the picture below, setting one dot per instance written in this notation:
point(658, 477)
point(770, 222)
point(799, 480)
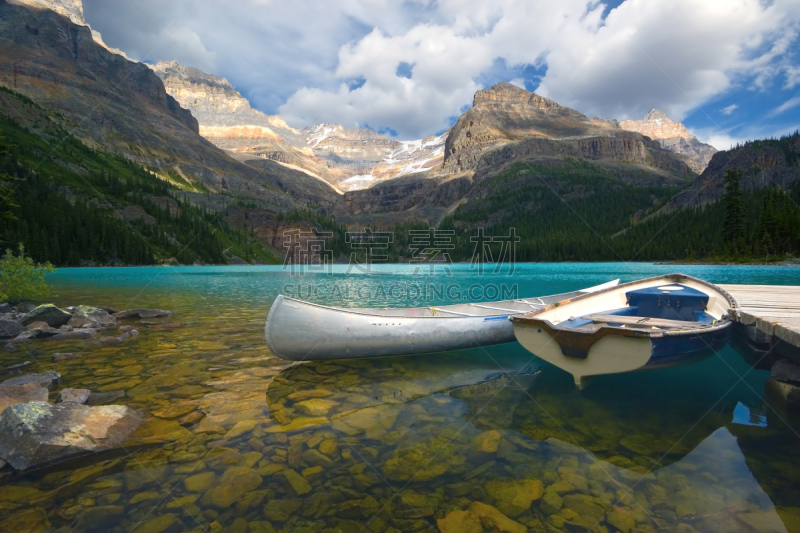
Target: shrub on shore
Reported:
point(21, 278)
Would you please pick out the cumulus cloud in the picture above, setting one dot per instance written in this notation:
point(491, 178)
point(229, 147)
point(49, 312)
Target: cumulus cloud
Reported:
point(671, 55)
point(412, 66)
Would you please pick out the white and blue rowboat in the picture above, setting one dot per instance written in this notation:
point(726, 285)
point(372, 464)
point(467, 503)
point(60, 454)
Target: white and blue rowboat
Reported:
point(642, 325)
point(304, 331)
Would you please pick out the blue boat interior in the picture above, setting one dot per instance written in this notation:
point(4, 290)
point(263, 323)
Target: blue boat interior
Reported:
point(673, 302)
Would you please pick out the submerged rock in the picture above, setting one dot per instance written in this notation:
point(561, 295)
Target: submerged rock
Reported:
point(460, 522)
point(487, 442)
point(235, 483)
point(100, 398)
point(315, 406)
point(73, 395)
point(27, 521)
point(37, 432)
point(15, 368)
point(28, 392)
point(294, 481)
point(10, 329)
point(478, 518)
point(91, 317)
point(85, 333)
point(175, 410)
point(45, 379)
point(200, 482)
point(282, 510)
point(787, 394)
point(142, 313)
point(48, 313)
point(621, 519)
point(37, 330)
point(515, 497)
point(551, 502)
point(786, 371)
point(166, 523)
point(65, 356)
point(422, 461)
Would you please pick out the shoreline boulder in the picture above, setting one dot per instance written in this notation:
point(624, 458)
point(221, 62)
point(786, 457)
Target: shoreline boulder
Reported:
point(10, 329)
point(49, 313)
point(73, 395)
point(36, 433)
point(47, 379)
point(38, 330)
point(91, 317)
point(28, 392)
point(86, 333)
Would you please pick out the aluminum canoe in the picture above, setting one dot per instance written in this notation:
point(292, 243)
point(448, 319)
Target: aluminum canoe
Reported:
point(304, 331)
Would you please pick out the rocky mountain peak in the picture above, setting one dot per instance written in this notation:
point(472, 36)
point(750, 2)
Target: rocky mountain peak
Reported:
point(672, 136)
point(657, 125)
point(505, 94)
point(655, 115)
point(507, 114)
point(173, 69)
point(350, 158)
point(72, 9)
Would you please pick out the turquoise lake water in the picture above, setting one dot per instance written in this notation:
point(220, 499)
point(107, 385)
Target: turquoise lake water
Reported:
point(236, 439)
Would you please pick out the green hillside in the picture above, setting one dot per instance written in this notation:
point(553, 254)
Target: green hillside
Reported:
point(72, 205)
point(578, 211)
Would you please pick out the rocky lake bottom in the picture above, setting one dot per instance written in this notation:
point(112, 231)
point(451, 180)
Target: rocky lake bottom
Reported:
point(236, 439)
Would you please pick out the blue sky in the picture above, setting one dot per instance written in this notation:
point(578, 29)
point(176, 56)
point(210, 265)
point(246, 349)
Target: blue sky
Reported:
point(730, 70)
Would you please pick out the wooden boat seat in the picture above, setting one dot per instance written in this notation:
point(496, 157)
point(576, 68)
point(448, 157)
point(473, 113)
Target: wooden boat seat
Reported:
point(644, 321)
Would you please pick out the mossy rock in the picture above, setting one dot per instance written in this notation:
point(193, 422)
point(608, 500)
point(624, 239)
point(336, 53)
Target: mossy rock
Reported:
point(513, 498)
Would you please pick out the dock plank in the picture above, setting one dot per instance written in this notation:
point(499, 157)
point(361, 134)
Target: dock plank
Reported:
point(773, 309)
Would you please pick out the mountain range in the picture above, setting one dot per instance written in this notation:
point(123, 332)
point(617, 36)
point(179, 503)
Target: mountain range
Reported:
point(343, 156)
point(193, 131)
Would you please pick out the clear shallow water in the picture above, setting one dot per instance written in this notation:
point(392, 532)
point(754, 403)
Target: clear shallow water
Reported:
point(403, 443)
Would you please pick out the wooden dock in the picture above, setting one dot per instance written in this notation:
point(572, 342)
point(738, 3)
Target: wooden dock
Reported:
point(773, 309)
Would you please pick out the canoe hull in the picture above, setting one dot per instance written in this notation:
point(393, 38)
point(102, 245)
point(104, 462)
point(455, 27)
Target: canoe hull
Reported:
point(300, 331)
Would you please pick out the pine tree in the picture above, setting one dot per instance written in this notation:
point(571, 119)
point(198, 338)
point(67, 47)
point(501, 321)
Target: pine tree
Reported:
point(734, 227)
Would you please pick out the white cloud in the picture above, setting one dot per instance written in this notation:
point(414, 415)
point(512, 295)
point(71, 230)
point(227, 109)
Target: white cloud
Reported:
point(671, 55)
point(788, 104)
point(730, 109)
point(321, 61)
point(723, 139)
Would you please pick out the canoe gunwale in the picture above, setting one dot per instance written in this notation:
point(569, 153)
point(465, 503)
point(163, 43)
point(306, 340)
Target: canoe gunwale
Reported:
point(529, 317)
point(298, 330)
point(362, 313)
